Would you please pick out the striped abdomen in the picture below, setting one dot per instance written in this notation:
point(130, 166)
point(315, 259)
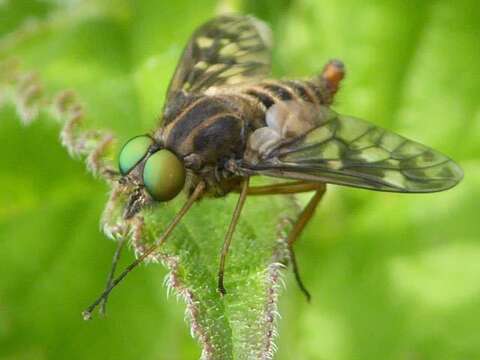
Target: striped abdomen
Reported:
point(271, 91)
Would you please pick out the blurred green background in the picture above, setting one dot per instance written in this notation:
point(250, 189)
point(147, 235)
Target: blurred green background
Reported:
point(392, 276)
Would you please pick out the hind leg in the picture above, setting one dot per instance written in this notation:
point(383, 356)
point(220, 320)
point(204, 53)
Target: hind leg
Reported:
point(302, 220)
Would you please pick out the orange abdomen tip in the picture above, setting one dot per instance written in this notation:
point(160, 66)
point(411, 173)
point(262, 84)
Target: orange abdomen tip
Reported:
point(333, 73)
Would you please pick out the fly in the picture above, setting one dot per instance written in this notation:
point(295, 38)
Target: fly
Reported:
point(225, 121)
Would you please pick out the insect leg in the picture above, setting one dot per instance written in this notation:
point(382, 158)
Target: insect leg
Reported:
point(294, 234)
point(291, 187)
point(136, 231)
point(229, 235)
point(87, 314)
point(303, 219)
point(116, 230)
point(116, 258)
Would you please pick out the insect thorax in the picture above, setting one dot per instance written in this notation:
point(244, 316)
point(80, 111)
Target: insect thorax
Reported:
point(213, 128)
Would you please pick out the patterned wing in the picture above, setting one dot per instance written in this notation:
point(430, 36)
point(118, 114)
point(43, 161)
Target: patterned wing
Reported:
point(349, 151)
point(226, 50)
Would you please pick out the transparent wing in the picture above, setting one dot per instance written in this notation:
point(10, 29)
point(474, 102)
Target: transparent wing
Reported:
point(226, 50)
point(349, 151)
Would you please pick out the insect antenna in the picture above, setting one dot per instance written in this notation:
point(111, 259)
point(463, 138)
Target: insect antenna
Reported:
point(87, 314)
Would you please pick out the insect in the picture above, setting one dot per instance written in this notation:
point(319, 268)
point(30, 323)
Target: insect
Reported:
point(225, 121)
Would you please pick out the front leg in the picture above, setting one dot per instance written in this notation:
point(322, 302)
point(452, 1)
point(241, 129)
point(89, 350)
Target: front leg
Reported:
point(229, 234)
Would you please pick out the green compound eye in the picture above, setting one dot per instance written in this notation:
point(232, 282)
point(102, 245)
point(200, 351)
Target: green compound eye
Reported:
point(163, 175)
point(133, 152)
